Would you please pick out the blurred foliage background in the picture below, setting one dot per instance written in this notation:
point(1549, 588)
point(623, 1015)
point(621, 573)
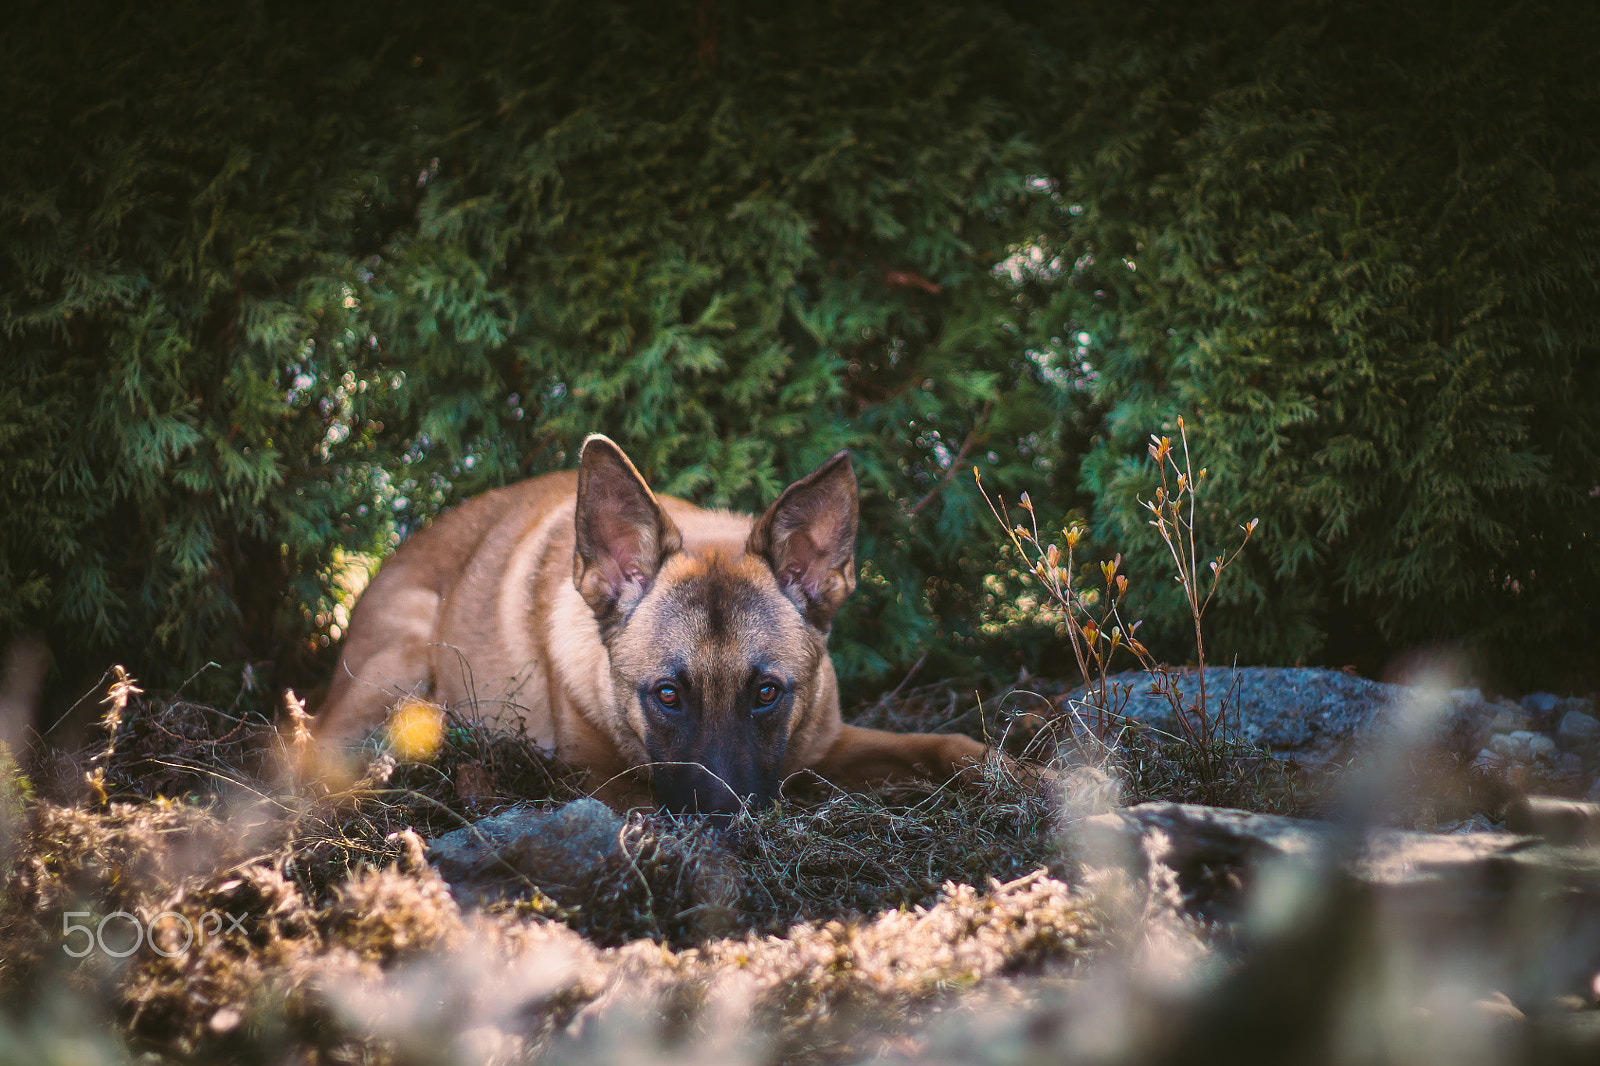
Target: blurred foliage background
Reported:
point(278, 282)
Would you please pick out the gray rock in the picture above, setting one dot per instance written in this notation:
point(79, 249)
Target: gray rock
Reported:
point(1422, 890)
point(570, 848)
point(1556, 820)
point(1200, 837)
point(1578, 727)
point(1581, 704)
point(1540, 747)
point(1579, 734)
point(1542, 705)
point(558, 851)
point(1488, 760)
point(1315, 715)
point(1523, 746)
point(1570, 763)
point(1194, 836)
point(1509, 718)
point(1512, 747)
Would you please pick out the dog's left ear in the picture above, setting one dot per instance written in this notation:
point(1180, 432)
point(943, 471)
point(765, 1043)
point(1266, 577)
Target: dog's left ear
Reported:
point(808, 537)
point(622, 536)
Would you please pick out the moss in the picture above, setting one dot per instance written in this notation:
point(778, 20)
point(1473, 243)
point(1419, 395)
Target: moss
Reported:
point(828, 906)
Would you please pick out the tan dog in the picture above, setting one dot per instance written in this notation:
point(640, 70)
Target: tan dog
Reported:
point(664, 649)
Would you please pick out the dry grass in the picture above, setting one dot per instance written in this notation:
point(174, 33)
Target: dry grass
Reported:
point(830, 906)
point(830, 928)
point(832, 913)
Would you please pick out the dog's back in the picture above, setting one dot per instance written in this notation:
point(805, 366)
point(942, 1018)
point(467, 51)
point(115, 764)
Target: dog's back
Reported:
point(396, 629)
point(480, 608)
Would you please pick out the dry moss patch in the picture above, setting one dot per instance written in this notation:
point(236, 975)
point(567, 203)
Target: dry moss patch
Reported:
point(284, 922)
point(283, 971)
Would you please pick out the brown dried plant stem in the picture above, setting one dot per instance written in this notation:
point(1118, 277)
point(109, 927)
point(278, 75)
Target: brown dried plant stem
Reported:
point(1174, 511)
point(1086, 627)
point(1204, 728)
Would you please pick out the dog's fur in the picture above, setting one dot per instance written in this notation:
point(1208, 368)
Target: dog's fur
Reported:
point(677, 655)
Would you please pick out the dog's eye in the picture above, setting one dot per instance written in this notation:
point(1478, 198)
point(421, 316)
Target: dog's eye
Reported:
point(668, 695)
point(767, 694)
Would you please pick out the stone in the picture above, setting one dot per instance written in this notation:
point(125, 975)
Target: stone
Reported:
point(1540, 747)
point(1577, 727)
point(1311, 714)
point(1201, 839)
point(1581, 704)
point(1569, 763)
point(560, 851)
point(570, 849)
point(1512, 747)
point(1523, 746)
point(1509, 718)
point(1557, 820)
point(1542, 705)
point(1487, 760)
point(1429, 888)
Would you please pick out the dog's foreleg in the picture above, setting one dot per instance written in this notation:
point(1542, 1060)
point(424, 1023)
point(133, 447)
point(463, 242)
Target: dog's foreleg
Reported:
point(862, 757)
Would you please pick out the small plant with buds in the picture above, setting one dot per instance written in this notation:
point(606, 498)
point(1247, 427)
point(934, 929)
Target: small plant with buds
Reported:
point(1095, 625)
point(1174, 515)
point(122, 689)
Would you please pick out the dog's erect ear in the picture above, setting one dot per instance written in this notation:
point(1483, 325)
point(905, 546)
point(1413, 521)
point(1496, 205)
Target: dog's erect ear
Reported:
point(808, 537)
point(623, 535)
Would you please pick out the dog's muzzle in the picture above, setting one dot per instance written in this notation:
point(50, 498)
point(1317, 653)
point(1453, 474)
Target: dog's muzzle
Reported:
point(720, 792)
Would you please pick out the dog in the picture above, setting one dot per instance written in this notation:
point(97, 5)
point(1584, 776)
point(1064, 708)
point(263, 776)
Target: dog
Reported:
point(677, 656)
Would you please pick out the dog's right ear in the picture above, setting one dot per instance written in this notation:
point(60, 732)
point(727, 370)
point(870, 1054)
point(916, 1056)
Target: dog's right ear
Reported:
point(623, 535)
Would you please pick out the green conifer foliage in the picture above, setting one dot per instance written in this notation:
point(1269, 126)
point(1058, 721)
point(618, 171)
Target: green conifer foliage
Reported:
point(1356, 244)
point(179, 201)
point(270, 293)
point(278, 284)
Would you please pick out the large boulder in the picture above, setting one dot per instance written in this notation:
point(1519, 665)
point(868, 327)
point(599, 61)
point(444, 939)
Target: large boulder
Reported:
point(1495, 899)
point(1314, 715)
point(1196, 838)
